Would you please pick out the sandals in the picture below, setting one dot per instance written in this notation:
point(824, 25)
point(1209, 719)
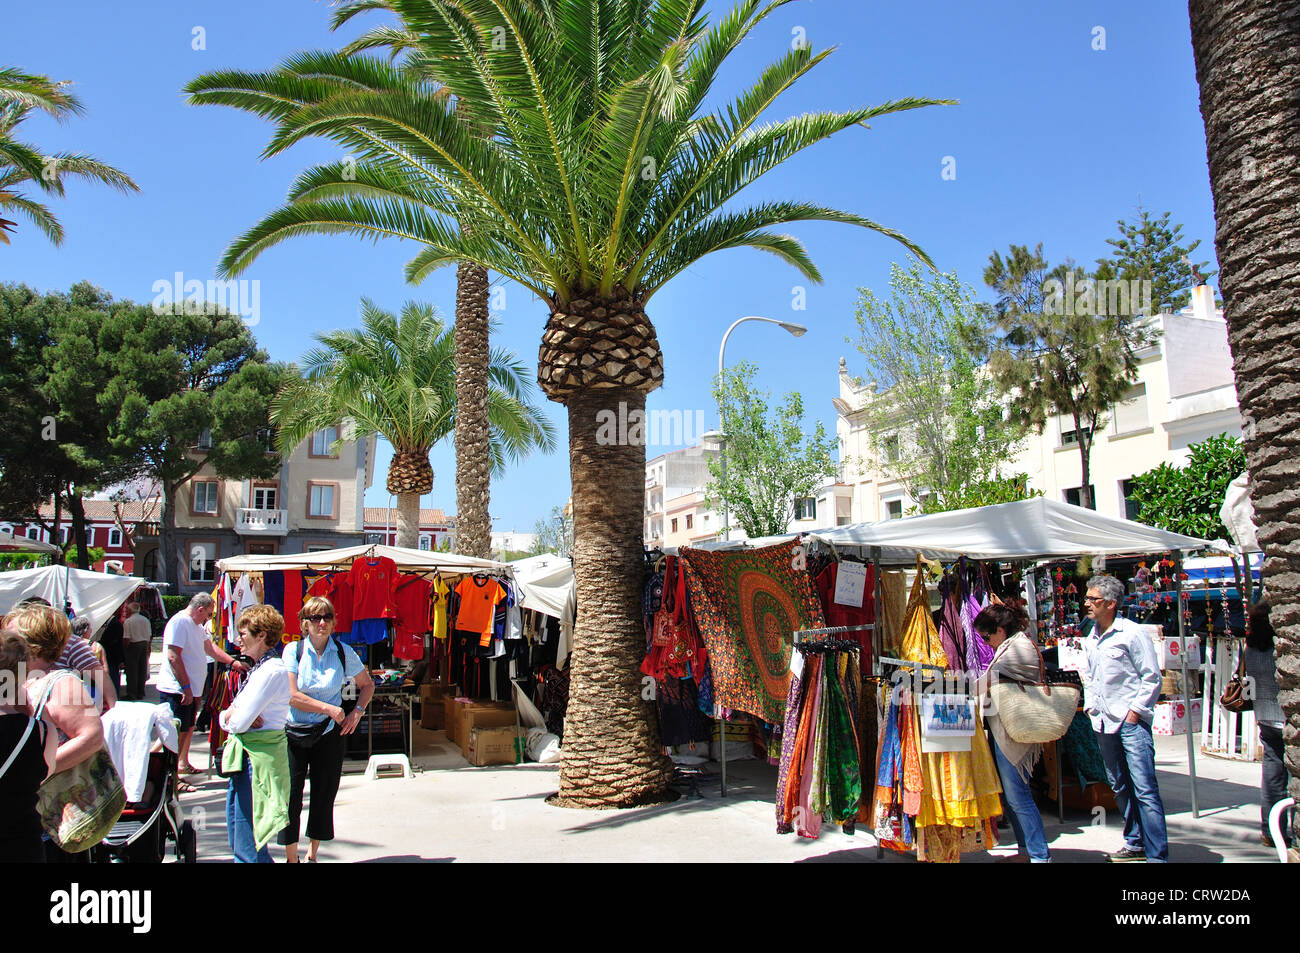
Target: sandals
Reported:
point(184, 787)
point(190, 769)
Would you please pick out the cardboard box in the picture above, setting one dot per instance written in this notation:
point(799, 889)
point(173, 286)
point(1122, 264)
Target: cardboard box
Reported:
point(434, 692)
point(432, 715)
point(495, 746)
point(1169, 652)
point(451, 708)
point(482, 715)
point(1171, 716)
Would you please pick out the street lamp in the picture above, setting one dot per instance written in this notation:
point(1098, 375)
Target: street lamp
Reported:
point(798, 330)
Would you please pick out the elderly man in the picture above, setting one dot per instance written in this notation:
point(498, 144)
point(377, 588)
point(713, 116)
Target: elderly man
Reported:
point(184, 667)
point(138, 634)
point(1122, 688)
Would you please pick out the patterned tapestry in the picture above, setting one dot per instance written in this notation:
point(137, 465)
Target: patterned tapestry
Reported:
point(747, 603)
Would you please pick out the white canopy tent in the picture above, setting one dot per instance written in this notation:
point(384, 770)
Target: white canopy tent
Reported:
point(546, 585)
point(11, 543)
point(1028, 529)
point(412, 559)
point(94, 595)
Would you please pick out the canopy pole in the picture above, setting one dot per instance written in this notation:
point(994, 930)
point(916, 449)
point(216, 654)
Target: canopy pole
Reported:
point(1187, 698)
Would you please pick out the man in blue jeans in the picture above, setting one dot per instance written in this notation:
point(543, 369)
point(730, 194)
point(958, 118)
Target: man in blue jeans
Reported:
point(1121, 691)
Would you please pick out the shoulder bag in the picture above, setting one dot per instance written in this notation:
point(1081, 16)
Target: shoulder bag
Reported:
point(1034, 713)
point(306, 736)
point(1234, 697)
point(79, 806)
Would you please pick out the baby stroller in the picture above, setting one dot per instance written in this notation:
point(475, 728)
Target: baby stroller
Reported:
point(141, 834)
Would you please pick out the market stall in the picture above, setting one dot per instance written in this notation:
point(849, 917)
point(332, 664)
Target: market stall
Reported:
point(97, 596)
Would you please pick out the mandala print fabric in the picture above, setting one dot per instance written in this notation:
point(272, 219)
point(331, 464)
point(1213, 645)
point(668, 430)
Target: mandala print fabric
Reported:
point(747, 605)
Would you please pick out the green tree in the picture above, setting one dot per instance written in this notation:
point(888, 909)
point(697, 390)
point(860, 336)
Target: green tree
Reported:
point(1150, 249)
point(603, 177)
point(938, 425)
point(554, 534)
point(1187, 499)
point(182, 373)
point(1056, 355)
point(21, 163)
point(770, 463)
point(396, 377)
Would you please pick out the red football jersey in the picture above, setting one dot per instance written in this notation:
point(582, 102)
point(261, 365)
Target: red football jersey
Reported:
point(374, 584)
point(413, 605)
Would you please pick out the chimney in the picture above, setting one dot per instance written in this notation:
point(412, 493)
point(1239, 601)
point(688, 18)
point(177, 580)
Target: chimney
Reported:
point(1203, 303)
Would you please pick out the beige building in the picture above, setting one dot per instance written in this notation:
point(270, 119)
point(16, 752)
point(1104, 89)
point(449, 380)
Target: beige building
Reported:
point(1184, 393)
point(316, 502)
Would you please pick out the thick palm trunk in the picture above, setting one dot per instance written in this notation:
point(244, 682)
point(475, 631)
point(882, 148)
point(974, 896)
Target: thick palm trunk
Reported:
point(600, 358)
point(1249, 75)
point(408, 520)
point(611, 738)
point(473, 461)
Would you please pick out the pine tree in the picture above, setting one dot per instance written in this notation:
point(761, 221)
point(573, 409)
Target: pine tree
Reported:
point(1150, 249)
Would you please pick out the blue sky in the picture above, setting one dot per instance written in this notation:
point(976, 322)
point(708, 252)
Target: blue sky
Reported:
point(1053, 141)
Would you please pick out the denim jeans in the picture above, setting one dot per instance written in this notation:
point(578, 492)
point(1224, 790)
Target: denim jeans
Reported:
point(1022, 812)
point(1130, 757)
point(1273, 780)
point(239, 819)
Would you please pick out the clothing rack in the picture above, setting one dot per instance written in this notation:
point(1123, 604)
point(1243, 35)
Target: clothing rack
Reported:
point(801, 635)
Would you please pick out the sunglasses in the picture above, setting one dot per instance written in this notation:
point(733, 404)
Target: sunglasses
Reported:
point(319, 618)
point(1095, 599)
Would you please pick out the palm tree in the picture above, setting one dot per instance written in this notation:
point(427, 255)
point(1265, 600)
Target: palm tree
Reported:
point(20, 93)
point(1246, 67)
point(602, 179)
point(396, 377)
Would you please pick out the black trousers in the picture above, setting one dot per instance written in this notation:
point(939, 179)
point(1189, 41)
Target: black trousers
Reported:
point(323, 764)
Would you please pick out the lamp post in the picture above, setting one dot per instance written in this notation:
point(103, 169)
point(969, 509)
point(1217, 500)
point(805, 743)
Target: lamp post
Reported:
point(798, 330)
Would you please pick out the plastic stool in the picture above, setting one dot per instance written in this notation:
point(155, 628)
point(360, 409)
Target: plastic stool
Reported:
point(378, 761)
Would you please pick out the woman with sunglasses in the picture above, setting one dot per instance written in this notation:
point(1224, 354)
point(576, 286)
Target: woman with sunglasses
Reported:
point(319, 667)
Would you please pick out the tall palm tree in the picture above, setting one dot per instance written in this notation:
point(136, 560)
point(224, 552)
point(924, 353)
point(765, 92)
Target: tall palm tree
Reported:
point(604, 177)
point(473, 479)
point(396, 378)
point(20, 162)
point(1249, 75)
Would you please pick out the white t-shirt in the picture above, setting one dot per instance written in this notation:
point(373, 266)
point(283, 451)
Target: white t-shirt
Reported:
point(264, 695)
point(188, 636)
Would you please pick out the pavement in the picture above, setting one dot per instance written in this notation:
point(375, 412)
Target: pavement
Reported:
point(451, 812)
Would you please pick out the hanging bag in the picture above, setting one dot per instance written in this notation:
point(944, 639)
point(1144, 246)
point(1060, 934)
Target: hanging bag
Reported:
point(1234, 697)
point(79, 806)
point(920, 638)
point(1035, 713)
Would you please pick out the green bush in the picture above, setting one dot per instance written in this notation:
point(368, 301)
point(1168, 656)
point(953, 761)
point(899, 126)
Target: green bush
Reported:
point(174, 604)
point(1188, 499)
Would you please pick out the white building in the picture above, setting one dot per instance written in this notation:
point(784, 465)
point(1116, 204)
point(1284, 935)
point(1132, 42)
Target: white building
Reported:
point(1184, 393)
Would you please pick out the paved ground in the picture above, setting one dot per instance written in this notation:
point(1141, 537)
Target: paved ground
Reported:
point(452, 812)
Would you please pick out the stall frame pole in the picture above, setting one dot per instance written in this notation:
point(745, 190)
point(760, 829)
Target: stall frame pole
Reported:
point(1187, 700)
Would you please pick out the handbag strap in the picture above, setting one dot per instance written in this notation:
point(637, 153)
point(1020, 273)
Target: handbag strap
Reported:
point(47, 688)
point(1241, 664)
point(22, 742)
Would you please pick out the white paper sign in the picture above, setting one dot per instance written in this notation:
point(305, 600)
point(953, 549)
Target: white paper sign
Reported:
point(850, 584)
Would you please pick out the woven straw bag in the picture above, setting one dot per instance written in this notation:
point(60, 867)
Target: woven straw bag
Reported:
point(1034, 714)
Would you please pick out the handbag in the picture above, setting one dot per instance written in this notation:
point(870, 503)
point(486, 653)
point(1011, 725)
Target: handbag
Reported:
point(79, 806)
point(1035, 713)
point(1234, 697)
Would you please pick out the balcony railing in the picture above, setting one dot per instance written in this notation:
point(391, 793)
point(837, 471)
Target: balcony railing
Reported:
point(252, 522)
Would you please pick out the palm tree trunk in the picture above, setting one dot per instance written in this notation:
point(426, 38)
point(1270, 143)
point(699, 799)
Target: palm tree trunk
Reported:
point(408, 520)
point(611, 738)
point(1249, 76)
point(473, 461)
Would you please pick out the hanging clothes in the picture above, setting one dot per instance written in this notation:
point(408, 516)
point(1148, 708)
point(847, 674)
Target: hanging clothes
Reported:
point(920, 642)
point(893, 611)
point(836, 613)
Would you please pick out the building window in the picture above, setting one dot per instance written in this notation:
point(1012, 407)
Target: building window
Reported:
point(321, 441)
point(805, 508)
point(64, 531)
point(265, 497)
point(893, 509)
point(1069, 435)
point(318, 548)
point(115, 539)
point(842, 520)
point(688, 520)
point(203, 562)
point(375, 539)
point(9, 528)
point(206, 497)
point(90, 536)
point(1131, 413)
point(321, 499)
point(1074, 498)
point(674, 525)
point(892, 448)
point(205, 440)
point(1131, 507)
point(426, 542)
point(34, 532)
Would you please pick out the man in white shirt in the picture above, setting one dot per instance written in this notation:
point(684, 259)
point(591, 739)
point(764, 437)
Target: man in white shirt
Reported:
point(137, 633)
point(1121, 691)
point(186, 645)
